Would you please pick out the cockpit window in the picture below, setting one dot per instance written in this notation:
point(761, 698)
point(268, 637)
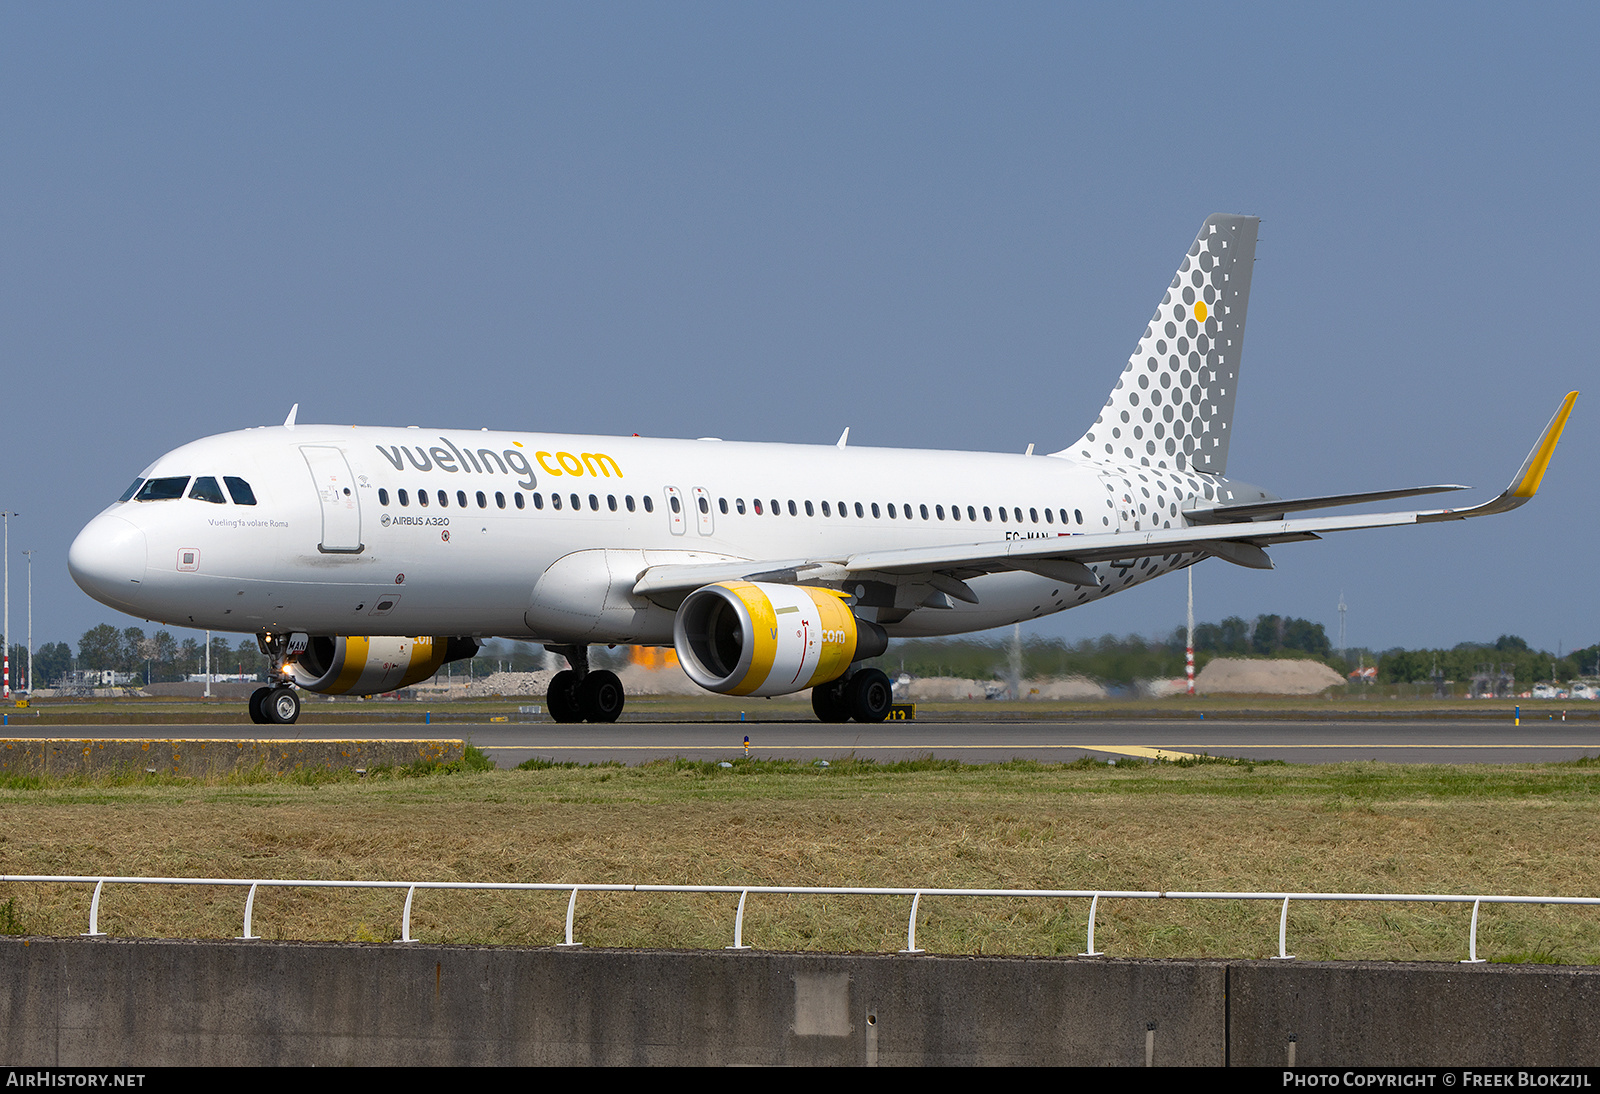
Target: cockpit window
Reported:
point(163, 489)
point(206, 489)
point(239, 490)
point(132, 490)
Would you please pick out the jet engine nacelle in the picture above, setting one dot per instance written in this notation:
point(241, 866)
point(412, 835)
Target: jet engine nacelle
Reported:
point(756, 638)
point(368, 666)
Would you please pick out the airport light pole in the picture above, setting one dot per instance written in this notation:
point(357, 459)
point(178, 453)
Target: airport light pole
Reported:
point(5, 520)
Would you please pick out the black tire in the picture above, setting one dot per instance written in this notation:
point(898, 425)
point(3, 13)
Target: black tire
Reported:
point(562, 697)
point(258, 706)
point(282, 706)
point(600, 696)
point(829, 703)
point(869, 695)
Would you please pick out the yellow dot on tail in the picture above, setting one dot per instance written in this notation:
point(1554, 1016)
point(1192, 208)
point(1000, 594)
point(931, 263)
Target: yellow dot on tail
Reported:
point(1200, 310)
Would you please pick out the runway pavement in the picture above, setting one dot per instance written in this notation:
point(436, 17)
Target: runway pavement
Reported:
point(1401, 741)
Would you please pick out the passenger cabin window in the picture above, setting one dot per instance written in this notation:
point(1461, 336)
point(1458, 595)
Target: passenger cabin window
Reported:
point(444, 500)
point(163, 489)
point(538, 502)
point(422, 498)
point(132, 490)
point(206, 489)
point(405, 499)
point(499, 499)
point(738, 505)
point(383, 496)
point(483, 502)
point(649, 503)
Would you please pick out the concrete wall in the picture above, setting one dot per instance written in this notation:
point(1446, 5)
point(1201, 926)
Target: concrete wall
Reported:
point(86, 1002)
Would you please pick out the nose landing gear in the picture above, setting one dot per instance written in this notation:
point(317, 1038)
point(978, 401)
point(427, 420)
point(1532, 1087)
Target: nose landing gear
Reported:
point(274, 706)
point(579, 695)
point(277, 703)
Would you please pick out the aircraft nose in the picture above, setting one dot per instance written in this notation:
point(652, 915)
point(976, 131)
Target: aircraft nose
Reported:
point(107, 560)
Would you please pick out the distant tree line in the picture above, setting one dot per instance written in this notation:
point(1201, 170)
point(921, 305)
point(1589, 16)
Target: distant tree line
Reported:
point(1121, 661)
point(1110, 659)
point(160, 657)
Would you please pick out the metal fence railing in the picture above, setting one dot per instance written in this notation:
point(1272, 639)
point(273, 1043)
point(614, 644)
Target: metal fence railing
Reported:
point(1094, 896)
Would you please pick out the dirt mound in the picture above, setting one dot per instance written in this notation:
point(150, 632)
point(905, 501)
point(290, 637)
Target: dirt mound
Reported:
point(1240, 676)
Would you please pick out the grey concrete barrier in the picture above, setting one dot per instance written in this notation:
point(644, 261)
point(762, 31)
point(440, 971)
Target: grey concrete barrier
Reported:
point(102, 1002)
point(202, 757)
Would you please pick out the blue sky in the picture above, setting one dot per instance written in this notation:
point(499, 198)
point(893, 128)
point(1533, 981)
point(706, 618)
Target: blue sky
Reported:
point(941, 225)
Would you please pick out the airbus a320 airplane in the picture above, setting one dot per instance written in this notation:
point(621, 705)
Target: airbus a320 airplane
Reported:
point(363, 559)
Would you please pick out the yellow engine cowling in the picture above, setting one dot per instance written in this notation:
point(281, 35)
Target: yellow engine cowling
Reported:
point(756, 638)
point(368, 666)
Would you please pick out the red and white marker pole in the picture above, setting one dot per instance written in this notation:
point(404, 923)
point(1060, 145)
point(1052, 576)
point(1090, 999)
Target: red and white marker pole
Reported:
point(1188, 667)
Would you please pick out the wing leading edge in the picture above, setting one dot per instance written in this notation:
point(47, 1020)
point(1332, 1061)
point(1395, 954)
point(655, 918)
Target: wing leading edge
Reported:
point(1067, 557)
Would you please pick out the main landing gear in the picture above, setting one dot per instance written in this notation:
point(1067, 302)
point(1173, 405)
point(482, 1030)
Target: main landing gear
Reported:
point(277, 704)
point(864, 695)
point(579, 695)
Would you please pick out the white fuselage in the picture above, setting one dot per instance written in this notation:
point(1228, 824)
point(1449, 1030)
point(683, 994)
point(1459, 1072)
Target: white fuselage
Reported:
point(329, 547)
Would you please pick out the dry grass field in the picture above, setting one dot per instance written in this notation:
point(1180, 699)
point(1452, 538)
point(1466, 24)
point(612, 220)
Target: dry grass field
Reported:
point(1361, 827)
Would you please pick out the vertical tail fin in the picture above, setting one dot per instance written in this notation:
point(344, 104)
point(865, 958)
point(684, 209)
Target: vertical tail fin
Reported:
point(1173, 405)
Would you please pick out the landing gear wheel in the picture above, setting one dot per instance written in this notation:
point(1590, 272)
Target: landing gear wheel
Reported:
point(600, 696)
point(829, 702)
point(562, 697)
point(869, 695)
point(258, 709)
point(281, 706)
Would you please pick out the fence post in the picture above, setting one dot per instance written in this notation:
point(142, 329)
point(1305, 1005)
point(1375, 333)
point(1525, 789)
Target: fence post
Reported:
point(738, 925)
point(249, 910)
point(1283, 933)
point(572, 905)
point(911, 927)
point(94, 911)
point(1472, 940)
point(1091, 951)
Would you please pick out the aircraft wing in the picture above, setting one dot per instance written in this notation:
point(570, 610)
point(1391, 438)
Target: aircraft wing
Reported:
point(1066, 557)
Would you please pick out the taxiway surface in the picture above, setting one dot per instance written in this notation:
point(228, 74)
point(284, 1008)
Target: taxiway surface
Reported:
point(1402, 741)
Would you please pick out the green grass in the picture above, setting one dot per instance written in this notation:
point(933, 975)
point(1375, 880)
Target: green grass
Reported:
point(1206, 824)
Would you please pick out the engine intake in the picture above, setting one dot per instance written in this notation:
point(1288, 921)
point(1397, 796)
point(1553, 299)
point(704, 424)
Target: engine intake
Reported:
point(368, 666)
point(756, 638)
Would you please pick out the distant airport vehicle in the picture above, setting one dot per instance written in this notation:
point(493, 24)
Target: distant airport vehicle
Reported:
point(364, 559)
